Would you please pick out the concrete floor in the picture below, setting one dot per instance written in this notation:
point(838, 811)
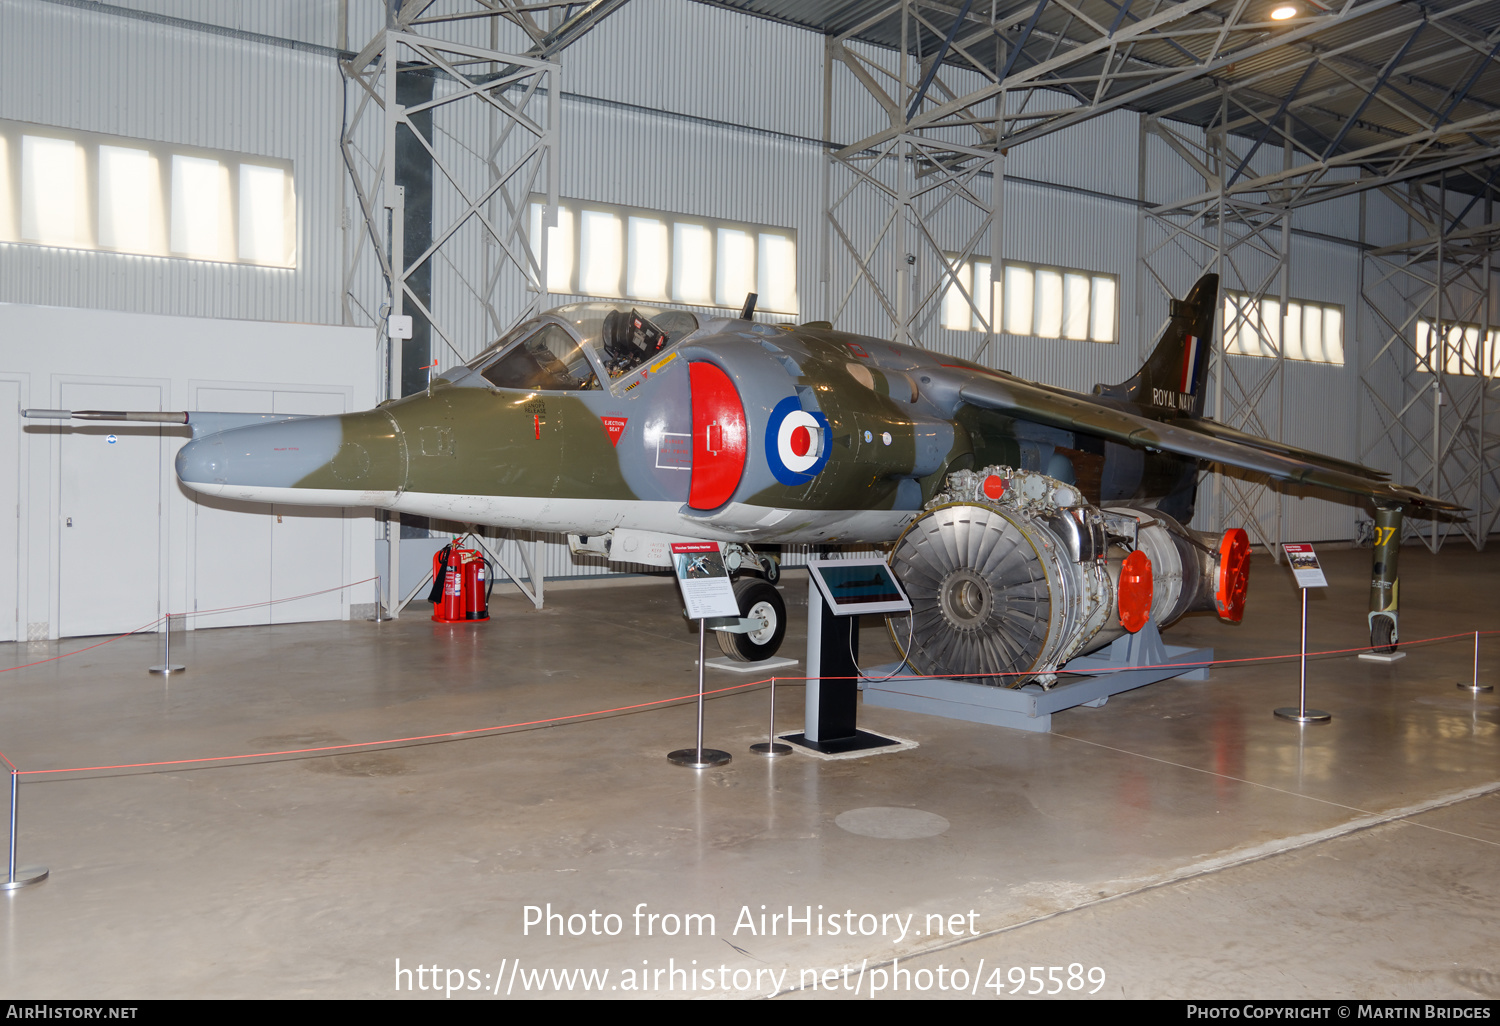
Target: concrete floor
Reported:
point(1180, 840)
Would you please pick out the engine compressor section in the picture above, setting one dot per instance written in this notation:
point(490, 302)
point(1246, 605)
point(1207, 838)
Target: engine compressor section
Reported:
point(1011, 573)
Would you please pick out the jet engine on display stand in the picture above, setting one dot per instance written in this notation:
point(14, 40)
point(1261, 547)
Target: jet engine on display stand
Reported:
point(1011, 573)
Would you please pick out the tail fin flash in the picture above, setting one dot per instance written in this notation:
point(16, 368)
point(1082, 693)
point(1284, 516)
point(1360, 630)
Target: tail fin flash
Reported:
point(1173, 378)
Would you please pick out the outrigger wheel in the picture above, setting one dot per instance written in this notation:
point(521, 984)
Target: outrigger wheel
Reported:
point(770, 567)
point(758, 600)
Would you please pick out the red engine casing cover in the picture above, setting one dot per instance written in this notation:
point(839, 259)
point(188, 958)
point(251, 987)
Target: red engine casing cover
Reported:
point(1234, 574)
point(1136, 591)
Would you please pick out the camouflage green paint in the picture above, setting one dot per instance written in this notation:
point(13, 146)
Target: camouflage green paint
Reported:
point(1384, 584)
point(992, 435)
point(472, 441)
point(371, 456)
point(862, 474)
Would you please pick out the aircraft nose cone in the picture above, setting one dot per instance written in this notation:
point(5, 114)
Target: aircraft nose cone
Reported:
point(276, 455)
point(203, 461)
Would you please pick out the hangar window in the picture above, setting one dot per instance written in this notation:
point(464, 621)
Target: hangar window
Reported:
point(82, 190)
point(126, 221)
point(599, 257)
point(646, 258)
point(1311, 332)
point(263, 221)
point(1045, 302)
point(611, 251)
point(735, 266)
point(1460, 350)
point(52, 199)
point(198, 190)
point(692, 271)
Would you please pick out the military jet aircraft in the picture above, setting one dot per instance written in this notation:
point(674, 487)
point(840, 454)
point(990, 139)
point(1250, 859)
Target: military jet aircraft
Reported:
point(1029, 524)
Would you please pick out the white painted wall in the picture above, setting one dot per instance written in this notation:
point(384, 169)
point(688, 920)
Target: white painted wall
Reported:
point(140, 545)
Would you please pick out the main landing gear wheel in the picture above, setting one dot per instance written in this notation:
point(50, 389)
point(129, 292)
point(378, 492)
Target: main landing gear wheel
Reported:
point(981, 598)
point(758, 600)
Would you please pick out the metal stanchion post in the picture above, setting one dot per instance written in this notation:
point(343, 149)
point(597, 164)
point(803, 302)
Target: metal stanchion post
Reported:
point(167, 666)
point(1302, 714)
point(700, 757)
point(771, 746)
point(1474, 685)
point(31, 874)
point(377, 599)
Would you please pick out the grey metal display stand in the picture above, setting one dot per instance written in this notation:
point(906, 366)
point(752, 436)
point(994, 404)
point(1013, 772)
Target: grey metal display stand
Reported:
point(699, 757)
point(18, 878)
point(1130, 662)
point(1473, 683)
point(167, 667)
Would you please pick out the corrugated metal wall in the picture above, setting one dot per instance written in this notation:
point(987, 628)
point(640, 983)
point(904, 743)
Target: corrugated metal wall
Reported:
point(670, 105)
point(76, 68)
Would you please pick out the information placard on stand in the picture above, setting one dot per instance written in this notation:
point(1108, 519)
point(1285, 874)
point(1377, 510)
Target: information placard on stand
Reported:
point(1305, 567)
point(1309, 574)
point(706, 592)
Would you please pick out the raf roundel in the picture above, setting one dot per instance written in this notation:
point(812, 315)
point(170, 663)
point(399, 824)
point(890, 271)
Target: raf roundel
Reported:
point(796, 442)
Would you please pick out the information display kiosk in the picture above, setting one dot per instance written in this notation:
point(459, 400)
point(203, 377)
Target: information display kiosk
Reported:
point(838, 591)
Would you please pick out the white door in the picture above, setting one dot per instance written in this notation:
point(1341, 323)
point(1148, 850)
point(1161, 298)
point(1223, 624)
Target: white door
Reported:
point(10, 510)
point(307, 543)
point(109, 513)
point(231, 539)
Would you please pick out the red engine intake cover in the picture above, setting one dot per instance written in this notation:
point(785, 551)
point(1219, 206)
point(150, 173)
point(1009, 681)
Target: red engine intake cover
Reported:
point(720, 438)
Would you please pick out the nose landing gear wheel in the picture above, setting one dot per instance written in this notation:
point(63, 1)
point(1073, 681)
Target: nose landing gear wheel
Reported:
point(758, 600)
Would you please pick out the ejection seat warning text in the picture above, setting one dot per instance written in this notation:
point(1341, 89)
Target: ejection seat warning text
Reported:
point(658, 975)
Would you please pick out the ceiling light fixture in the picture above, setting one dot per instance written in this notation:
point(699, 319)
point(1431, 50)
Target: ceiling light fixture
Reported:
point(1283, 13)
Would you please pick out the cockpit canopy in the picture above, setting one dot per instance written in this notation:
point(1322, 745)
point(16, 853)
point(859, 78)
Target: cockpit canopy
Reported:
point(569, 348)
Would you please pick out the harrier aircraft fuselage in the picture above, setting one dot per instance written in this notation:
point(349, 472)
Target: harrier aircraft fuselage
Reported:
point(627, 428)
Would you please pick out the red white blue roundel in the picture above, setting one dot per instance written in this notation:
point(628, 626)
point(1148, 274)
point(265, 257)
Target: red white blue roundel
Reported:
point(796, 442)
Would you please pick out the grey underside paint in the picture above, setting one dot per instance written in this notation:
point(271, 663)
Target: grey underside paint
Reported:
point(277, 454)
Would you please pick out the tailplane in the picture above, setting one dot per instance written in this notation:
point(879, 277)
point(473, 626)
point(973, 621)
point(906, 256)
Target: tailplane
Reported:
point(1173, 377)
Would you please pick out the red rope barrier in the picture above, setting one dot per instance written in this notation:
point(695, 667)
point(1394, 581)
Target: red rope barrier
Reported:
point(195, 612)
point(272, 602)
point(484, 731)
point(453, 734)
point(117, 637)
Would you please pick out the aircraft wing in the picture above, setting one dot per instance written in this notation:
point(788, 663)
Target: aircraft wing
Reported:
point(1043, 405)
point(1229, 434)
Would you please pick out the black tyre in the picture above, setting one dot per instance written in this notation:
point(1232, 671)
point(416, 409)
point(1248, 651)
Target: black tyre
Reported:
point(1383, 634)
point(770, 569)
point(757, 599)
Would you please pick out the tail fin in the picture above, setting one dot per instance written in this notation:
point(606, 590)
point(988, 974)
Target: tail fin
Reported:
point(1173, 377)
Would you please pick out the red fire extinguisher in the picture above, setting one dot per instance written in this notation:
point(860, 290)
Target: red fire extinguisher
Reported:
point(477, 582)
point(460, 585)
